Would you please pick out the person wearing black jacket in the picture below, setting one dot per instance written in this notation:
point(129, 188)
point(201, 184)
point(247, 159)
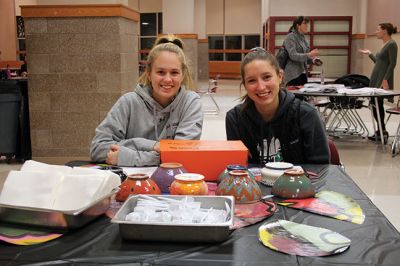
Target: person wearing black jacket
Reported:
point(272, 123)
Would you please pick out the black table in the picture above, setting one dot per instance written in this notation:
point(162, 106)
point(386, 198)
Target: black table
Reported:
point(374, 97)
point(376, 242)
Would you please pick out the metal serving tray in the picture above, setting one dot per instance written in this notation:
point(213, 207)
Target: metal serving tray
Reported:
point(159, 231)
point(53, 218)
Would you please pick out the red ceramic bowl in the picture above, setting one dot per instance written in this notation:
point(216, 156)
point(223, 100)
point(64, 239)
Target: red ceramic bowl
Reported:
point(137, 184)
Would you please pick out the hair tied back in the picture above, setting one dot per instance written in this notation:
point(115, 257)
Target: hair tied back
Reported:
point(169, 39)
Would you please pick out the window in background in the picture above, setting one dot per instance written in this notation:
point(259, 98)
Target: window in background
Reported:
point(150, 26)
point(231, 47)
point(233, 43)
point(225, 52)
point(216, 43)
point(251, 41)
point(21, 37)
point(21, 44)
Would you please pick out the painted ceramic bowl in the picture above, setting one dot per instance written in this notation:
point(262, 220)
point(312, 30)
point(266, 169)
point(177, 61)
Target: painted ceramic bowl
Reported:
point(137, 184)
point(272, 171)
point(241, 186)
point(232, 167)
point(165, 174)
point(189, 184)
point(293, 184)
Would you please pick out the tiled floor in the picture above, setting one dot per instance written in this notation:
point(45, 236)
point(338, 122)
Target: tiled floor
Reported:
point(374, 170)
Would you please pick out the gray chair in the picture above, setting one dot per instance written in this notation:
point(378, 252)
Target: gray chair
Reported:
point(396, 141)
point(209, 92)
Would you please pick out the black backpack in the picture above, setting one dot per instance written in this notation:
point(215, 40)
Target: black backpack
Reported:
point(354, 81)
point(282, 56)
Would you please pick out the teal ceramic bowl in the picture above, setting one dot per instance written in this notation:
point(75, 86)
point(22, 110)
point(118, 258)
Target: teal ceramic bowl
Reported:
point(293, 184)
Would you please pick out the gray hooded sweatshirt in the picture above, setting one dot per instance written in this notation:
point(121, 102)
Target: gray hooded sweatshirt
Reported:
point(136, 122)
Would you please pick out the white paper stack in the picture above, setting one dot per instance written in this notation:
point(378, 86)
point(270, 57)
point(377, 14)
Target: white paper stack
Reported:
point(56, 187)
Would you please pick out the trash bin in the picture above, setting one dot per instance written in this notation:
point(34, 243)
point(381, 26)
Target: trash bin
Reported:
point(10, 105)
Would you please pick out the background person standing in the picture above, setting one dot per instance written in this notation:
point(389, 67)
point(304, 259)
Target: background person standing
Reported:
point(295, 72)
point(383, 72)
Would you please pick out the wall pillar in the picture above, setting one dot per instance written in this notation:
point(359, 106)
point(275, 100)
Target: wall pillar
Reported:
point(183, 25)
point(8, 31)
point(81, 59)
point(200, 28)
point(202, 59)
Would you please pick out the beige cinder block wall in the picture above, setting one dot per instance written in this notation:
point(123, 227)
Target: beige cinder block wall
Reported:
point(78, 68)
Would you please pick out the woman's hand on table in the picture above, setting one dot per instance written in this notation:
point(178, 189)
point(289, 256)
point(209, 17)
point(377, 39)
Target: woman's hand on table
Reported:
point(112, 155)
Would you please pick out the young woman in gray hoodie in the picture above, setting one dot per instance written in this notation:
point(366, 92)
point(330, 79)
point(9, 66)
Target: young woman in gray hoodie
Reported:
point(161, 107)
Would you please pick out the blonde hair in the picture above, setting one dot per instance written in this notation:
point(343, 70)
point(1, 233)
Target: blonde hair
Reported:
point(173, 44)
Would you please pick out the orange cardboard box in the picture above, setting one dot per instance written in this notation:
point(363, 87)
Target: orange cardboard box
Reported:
point(206, 157)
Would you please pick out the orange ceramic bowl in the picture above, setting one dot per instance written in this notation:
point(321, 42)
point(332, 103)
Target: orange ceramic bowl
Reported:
point(189, 184)
point(137, 184)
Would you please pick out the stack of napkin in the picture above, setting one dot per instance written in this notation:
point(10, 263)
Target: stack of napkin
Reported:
point(56, 187)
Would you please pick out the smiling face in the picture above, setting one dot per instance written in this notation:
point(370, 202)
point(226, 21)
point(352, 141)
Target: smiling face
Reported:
point(261, 81)
point(166, 77)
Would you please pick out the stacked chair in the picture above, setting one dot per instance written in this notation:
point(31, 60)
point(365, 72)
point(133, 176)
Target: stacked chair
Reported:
point(209, 92)
point(340, 114)
point(396, 141)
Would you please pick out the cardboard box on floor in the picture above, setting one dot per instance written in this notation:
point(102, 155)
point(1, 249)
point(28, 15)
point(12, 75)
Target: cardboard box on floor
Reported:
point(206, 157)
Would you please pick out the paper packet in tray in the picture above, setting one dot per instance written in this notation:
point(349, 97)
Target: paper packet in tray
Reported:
point(56, 187)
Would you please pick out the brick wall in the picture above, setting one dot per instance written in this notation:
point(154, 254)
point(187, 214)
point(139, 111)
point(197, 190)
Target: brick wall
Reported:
point(78, 67)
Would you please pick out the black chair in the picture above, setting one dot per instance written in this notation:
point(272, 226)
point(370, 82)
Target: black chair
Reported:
point(343, 117)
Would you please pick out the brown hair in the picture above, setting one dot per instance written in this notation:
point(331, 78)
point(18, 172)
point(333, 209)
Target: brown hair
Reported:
point(173, 44)
point(297, 21)
point(388, 27)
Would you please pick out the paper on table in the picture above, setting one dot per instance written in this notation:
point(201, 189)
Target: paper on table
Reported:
point(362, 91)
point(76, 191)
point(43, 167)
point(56, 187)
point(30, 189)
point(110, 179)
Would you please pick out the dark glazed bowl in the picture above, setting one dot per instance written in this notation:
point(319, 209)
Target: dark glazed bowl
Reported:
point(293, 184)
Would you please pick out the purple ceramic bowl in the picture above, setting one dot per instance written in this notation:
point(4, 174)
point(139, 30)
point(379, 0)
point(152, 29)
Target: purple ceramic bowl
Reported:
point(165, 175)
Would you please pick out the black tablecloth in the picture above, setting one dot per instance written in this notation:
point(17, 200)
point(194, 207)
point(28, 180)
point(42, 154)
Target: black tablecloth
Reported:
point(376, 242)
